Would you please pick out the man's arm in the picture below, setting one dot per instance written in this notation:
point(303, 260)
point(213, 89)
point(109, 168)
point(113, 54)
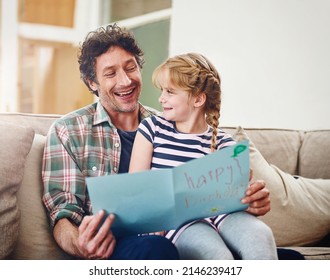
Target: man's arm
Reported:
point(86, 241)
point(258, 198)
point(66, 201)
point(66, 235)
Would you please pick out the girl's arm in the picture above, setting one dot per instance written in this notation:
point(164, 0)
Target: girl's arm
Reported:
point(141, 159)
point(141, 154)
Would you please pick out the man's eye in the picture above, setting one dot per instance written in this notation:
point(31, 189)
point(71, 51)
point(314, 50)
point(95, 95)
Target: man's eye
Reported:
point(131, 68)
point(110, 74)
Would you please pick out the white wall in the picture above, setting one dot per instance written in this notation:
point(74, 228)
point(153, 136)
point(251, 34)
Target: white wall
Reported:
point(273, 57)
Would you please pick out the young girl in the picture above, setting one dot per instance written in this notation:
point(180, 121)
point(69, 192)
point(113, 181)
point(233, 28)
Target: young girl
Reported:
point(188, 129)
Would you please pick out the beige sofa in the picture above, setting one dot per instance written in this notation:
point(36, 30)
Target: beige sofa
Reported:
point(300, 215)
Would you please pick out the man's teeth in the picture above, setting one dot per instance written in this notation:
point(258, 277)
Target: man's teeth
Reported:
point(124, 93)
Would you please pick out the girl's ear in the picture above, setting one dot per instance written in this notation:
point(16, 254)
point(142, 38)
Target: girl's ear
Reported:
point(200, 100)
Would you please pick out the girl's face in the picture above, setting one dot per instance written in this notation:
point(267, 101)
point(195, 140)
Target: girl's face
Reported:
point(177, 103)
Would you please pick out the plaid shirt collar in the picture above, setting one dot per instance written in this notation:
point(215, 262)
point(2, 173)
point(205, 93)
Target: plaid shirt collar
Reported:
point(100, 115)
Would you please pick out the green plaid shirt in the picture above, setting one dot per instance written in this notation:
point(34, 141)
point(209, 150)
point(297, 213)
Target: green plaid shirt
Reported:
point(81, 144)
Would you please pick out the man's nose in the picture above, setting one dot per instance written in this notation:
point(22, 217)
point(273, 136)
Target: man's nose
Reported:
point(123, 79)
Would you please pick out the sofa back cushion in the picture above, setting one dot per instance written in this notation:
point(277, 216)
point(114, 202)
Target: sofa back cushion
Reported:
point(278, 146)
point(15, 144)
point(38, 122)
point(314, 155)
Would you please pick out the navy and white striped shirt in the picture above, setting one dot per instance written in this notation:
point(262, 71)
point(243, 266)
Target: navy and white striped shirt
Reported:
point(173, 148)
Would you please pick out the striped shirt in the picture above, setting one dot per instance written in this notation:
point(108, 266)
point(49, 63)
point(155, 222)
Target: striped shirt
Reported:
point(81, 144)
point(172, 148)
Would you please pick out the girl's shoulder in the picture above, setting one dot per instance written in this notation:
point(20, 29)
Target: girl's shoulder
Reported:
point(157, 122)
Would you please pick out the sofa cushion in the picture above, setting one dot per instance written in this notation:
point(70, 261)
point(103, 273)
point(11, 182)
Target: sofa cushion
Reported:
point(315, 155)
point(300, 208)
point(35, 239)
point(276, 145)
point(39, 122)
point(15, 144)
point(313, 253)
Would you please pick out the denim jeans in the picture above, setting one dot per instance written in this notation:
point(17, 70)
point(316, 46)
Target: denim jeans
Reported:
point(151, 247)
point(241, 236)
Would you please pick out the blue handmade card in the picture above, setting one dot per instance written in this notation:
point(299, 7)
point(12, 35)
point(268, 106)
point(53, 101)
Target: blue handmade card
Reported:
point(164, 199)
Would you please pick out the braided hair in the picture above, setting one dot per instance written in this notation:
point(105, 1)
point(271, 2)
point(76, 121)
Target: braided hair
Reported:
point(196, 74)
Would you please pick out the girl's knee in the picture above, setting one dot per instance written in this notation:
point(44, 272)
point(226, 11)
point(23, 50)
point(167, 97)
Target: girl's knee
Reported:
point(264, 230)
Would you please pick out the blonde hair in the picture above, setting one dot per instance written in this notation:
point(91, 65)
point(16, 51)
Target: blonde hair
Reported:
point(196, 74)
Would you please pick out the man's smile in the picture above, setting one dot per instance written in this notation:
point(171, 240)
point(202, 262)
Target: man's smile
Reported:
point(124, 93)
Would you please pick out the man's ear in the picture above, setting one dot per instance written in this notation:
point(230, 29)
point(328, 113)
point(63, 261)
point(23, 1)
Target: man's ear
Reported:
point(200, 100)
point(93, 85)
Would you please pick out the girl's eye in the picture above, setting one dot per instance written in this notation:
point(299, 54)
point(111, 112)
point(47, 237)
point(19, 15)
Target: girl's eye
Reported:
point(166, 91)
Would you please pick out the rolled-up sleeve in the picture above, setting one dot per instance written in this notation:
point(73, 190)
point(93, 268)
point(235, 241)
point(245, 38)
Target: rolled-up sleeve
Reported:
point(64, 184)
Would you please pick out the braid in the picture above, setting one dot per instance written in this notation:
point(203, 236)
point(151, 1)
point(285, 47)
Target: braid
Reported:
point(212, 118)
point(211, 87)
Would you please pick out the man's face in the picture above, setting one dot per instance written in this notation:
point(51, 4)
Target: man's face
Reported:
point(119, 80)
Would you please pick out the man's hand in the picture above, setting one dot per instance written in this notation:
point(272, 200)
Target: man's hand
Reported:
point(94, 242)
point(258, 198)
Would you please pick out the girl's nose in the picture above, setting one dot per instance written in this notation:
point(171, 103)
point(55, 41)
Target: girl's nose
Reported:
point(161, 98)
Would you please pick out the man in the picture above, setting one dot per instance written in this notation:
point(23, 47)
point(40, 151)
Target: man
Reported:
point(97, 140)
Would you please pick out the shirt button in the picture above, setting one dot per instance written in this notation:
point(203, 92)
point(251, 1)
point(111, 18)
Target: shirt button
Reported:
point(116, 145)
point(94, 168)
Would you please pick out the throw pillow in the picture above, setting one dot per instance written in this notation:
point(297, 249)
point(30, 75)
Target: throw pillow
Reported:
point(35, 241)
point(300, 207)
point(15, 144)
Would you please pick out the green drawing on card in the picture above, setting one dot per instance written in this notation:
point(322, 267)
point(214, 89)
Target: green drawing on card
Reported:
point(238, 149)
point(214, 209)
